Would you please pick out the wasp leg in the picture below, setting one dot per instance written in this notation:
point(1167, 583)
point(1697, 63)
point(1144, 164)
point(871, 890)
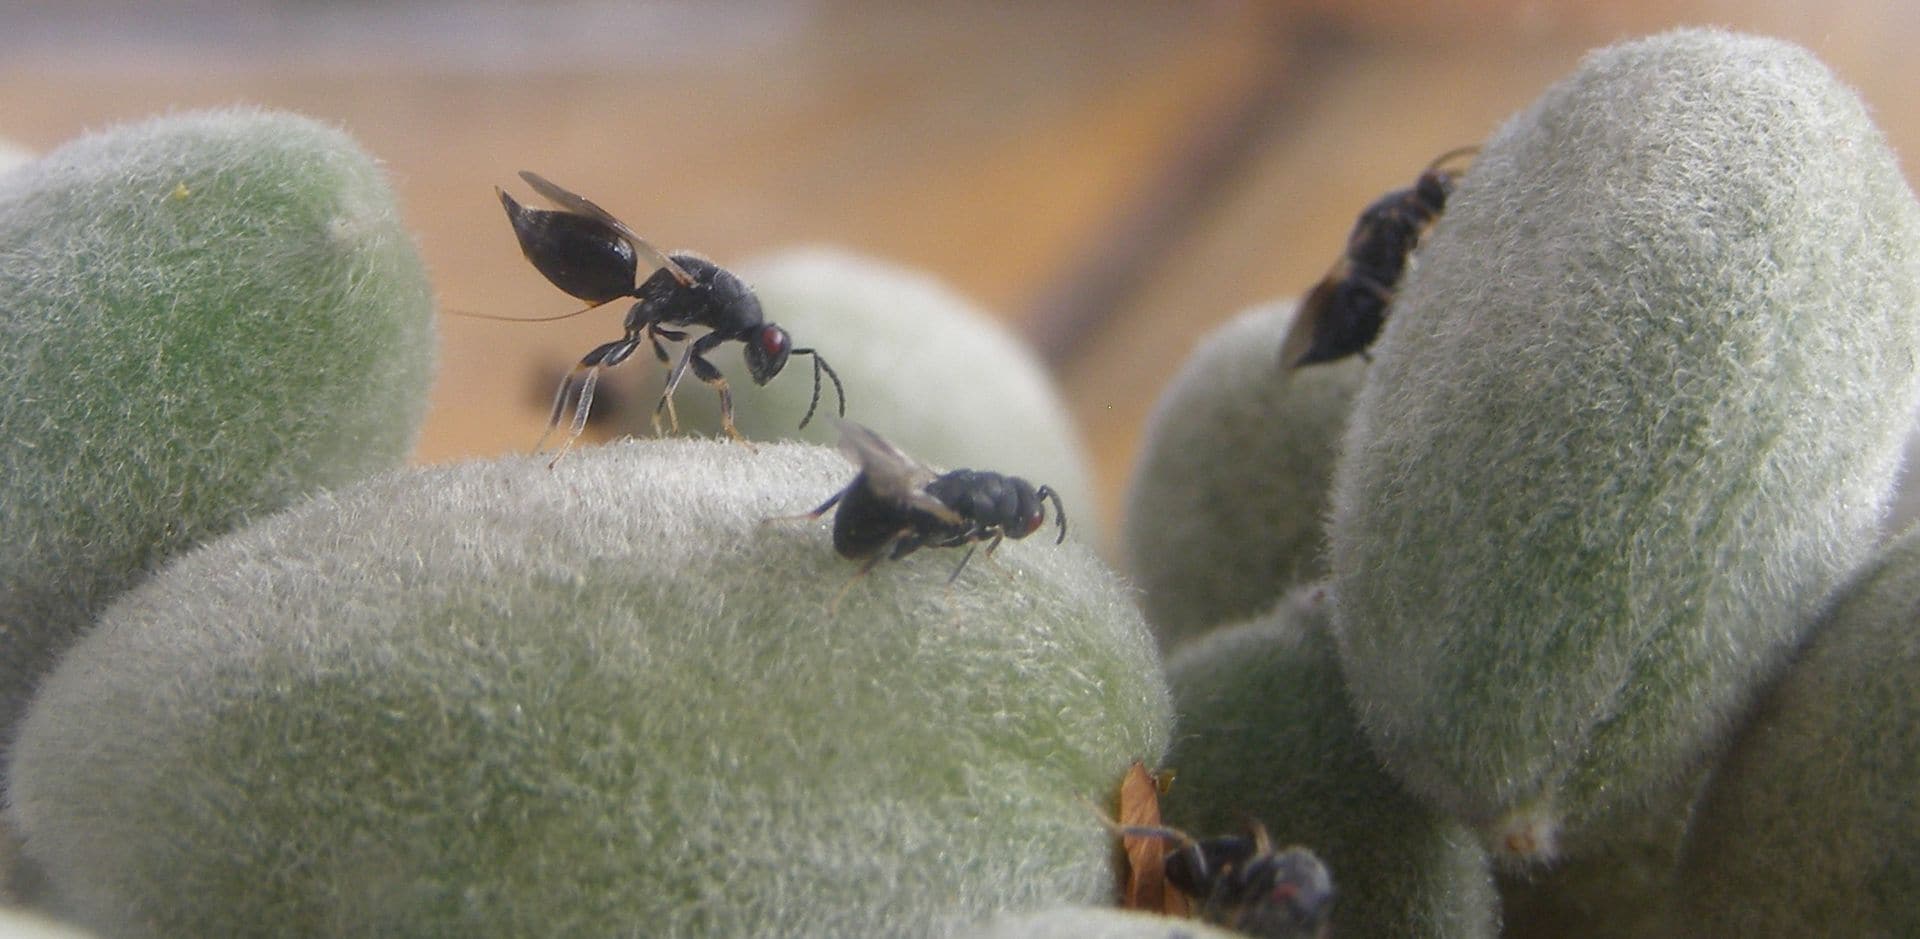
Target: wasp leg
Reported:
point(832, 501)
point(992, 546)
point(559, 406)
point(961, 566)
point(587, 373)
point(707, 372)
point(887, 548)
point(695, 356)
point(655, 334)
point(822, 509)
point(726, 402)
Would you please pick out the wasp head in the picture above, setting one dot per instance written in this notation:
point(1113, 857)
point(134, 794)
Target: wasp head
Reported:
point(1287, 894)
point(766, 351)
point(1029, 508)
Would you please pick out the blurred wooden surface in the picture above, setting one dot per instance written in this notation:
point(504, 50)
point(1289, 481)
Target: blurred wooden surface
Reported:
point(999, 146)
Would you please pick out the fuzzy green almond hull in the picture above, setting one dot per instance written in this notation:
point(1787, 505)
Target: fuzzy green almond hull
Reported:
point(1229, 495)
point(1267, 735)
point(1636, 414)
point(208, 315)
point(612, 698)
point(1809, 827)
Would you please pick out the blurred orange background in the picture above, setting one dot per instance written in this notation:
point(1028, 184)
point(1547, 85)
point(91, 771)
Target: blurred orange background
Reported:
point(1112, 178)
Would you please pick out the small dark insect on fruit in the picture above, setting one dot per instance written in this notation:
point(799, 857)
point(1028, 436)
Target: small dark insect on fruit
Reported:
point(595, 257)
point(1244, 884)
point(897, 505)
point(1343, 313)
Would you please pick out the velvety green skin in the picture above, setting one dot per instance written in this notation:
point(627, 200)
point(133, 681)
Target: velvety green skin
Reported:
point(1810, 827)
point(607, 699)
point(208, 315)
point(1266, 733)
point(1635, 415)
point(922, 365)
point(1229, 495)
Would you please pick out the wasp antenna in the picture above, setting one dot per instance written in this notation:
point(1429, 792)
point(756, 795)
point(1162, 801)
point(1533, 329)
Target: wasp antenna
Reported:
point(1454, 154)
point(1059, 511)
point(813, 402)
point(839, 392)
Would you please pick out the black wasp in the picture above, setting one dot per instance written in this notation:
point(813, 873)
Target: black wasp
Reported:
point(595, 257)
point(897, 505)
point(1242, 883)
point(1343, 313)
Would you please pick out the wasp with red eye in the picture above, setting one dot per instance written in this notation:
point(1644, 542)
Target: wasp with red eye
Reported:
point(592, 256)
point(1244, 884)
point(897, 505)
point(1345, 311)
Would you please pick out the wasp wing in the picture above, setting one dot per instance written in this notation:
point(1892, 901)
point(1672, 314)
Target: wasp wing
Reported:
point(572, 202)
point(893, 474)
point(1307, 317)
